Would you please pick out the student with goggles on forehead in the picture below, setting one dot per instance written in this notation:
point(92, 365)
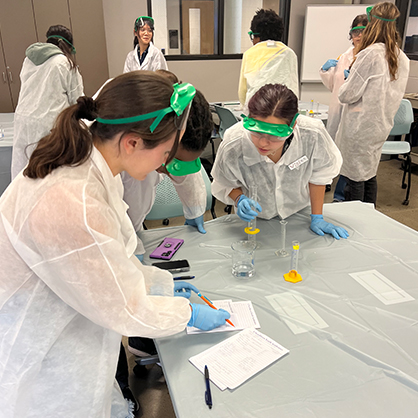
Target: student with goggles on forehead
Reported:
point(332, 75)
point(70, 283)
point(144, 56)
point(289, 157)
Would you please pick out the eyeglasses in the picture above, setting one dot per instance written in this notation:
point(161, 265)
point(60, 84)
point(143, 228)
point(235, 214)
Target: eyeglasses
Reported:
point(252, 34)
point(357, 31)
point(144, 29)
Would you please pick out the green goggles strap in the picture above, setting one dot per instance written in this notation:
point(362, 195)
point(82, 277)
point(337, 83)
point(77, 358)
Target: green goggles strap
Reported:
point(182, 96)
point(369, 9)
point(65, 40)
point(357, 27)
point(183, 168)
point(279, 130)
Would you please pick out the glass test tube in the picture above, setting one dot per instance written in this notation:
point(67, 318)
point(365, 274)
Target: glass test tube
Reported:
point(282, 251)
point(295, 256)
point(252, 225)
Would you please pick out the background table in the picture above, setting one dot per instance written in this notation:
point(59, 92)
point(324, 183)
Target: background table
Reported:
point(364, 364)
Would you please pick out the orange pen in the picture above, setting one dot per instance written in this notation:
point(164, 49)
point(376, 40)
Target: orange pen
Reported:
point(212, 306)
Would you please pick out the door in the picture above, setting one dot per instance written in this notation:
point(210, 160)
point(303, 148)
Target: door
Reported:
point(6, 104)
point(198, 27)
point(18, 32)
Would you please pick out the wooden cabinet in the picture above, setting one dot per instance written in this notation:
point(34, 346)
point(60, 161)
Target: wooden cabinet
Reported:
point(24, 22)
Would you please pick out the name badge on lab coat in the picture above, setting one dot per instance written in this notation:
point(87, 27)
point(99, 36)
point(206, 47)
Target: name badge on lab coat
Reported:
point(298, 162)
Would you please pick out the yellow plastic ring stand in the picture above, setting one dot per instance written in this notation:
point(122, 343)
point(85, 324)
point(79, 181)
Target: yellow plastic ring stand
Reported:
point(250, 232)
point(293, 276)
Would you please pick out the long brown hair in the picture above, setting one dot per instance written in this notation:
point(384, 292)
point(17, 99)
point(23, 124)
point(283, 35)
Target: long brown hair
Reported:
point(274, 100)
point(70, 142)
point(63, 31)
point(379, 30)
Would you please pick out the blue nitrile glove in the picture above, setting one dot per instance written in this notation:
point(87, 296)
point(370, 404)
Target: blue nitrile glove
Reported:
point(346, 74)
point(245, 207)
point(197, 222)
point(206, 318)
point(329, 64)
point(319, 226)
point(184, 289)
point(140, 257)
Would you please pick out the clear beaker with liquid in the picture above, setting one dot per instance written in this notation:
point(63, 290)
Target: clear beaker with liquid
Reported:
point(243, 258)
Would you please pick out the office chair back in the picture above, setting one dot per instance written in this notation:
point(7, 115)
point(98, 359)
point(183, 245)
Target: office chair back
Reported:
point(167, 203)
point(402, 126)
point(226, 118)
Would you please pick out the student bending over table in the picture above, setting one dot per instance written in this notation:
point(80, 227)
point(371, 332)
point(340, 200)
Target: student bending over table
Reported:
point(290, 158)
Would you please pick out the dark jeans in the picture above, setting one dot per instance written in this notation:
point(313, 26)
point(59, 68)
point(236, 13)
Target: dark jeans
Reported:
point(339, 189)
point(365, 191)
point(122, 371)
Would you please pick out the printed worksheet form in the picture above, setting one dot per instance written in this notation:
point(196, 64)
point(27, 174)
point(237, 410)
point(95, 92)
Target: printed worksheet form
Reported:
point(242, 316)
point(238, 358)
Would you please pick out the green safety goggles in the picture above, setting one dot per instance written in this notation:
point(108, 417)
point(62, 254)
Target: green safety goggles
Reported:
point(276, 132)
point(73, 51)
point(368, 11)
point(182, 168)
point(143, 20)
point(357, 30)
point(252, 34)
point(180, 102)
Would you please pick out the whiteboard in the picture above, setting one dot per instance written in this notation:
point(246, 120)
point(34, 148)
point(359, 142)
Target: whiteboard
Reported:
point(325, 36)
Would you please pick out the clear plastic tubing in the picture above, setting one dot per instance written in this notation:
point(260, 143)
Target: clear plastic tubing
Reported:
point(295, 256)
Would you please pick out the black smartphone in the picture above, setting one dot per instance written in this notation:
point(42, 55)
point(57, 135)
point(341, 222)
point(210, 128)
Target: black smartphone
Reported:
point(176, 266)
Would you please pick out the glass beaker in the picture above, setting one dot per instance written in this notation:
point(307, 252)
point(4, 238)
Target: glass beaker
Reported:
point(243, 258)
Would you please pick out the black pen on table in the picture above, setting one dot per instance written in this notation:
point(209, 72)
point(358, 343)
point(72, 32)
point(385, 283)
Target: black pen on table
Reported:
point(184, 278)
point(208, 396)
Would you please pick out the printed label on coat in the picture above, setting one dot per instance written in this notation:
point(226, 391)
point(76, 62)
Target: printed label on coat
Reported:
point(298, 162)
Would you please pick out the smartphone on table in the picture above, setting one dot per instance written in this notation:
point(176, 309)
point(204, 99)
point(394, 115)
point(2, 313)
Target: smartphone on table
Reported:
point(167, 248)
point(175, 266)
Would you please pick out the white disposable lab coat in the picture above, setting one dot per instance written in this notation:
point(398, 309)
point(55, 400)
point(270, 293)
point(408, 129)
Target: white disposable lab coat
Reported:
point(69, 288)
point(140, 196)
point(153, 61)
point(370, 101)
point(267, 62)
point(282, 187)
point(47, 88)
point(333, 79)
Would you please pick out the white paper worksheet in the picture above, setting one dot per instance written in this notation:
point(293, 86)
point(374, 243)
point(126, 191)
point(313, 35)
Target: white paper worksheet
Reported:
point(381, 287)
point(238, 358)
point(242, 316)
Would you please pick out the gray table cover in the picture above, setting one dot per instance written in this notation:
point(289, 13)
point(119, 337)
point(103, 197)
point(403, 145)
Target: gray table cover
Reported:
point(364, 364)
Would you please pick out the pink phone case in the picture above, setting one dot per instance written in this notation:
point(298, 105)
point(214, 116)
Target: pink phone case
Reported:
point(167, 248)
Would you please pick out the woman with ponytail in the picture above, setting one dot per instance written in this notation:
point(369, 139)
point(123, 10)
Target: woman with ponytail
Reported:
point(371, 96)
point(50, 83)
point(70, 284)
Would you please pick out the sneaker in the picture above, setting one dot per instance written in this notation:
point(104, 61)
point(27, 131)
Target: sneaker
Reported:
point(132, 401)
point(328, 188)
point(141, 347)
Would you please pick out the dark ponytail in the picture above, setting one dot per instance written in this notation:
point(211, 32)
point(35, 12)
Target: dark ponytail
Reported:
point(65, 47)
point(69, 143)
point(135, 93)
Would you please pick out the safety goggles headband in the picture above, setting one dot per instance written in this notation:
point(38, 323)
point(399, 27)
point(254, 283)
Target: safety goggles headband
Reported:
point(280, 130)
point(357, 28)
point(141, 22)
point(181, 98)
point(368, 11)
point(183, 168)
point(65, 40)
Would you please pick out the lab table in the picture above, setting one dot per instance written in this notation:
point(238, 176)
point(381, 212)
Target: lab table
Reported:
point(363, 363)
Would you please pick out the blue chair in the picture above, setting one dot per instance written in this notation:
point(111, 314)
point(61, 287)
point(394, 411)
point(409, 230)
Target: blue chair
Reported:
point(167, 203)
point(226, 119)
point(402, 126)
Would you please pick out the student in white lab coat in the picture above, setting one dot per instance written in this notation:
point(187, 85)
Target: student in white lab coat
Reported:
point(269, 61)
point(70, 283)
point(371, 97)
point(332, 75)
point(50, 82)
point(289, 158)
point(144, 56)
